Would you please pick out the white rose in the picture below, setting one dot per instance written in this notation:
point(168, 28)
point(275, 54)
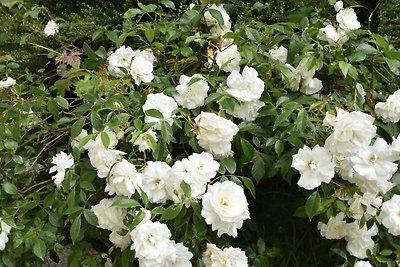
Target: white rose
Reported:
point(120, 241)
point(216, 257)
point(335, 228)
point(362, 264)
point(155, 181)
point(215, 133)
point(247, 111)
point(389, 111)
point(165, 104)
point(365, 205)
point(196, 171)
point(236, 257)
point(347, 19)
point(191, 95)
point(212, 22)
point(315, 166)
point(375, 162)
point(7, 83)
point(225, 207)
point(102, 159)
point(246, 86)
point(120, 58)
point(143, 140)
point(109, 217)
point(124, 179)
point(213, 256)
point(180, 257)
point(338, 6)
point(334, 36)
point(151, 242)
point(5, 230)
point(360, 240)
point(311, 86)
point(389, 215)
point(351, 133)
point(61, 162)
point(51, 28)
point(141, 69)
point(228, 59)
point(303, 70)
point(279, 54)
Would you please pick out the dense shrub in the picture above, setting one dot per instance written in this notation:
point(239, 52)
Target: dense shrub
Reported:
point(130, 119)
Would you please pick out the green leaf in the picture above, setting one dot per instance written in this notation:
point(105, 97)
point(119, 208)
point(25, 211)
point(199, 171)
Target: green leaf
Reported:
point(258, 169)
point(105, 139)
point(132, 13)
point(96, 120)
point(253, 35)
point(90, 217)
point(149, 33)
point(39, 249)
point(312, 205)
point(302, 120)
point(171, 212)
point(62, 102)
point(154, 113)
point(97, 34)
point(357, 57)
point(148, 8)
point(344, 67)
point(282, 117)
point(10, 144)
point(386, 252)
point(52, 107)
point(89, 51)
point(218, 16)
point(168, 4)
point(229, 164)
point(247, 148)
point(278, 147)
point(126, 203)
point(189, 20)
point(76, 128)
point(75, 229)
point(228, 103)
point(166, 132)
point(186, 189)
point(249, 185)
point(10, 188)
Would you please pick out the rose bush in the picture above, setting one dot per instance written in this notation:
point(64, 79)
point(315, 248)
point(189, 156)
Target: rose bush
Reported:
point(179, 137)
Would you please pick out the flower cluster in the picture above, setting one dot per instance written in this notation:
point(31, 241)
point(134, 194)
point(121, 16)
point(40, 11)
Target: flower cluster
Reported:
point(346, 19)
point(153, 246)
point(7, 83)
point(51, 28)
point(232, 257)
point(389, 111)
point(139, 64)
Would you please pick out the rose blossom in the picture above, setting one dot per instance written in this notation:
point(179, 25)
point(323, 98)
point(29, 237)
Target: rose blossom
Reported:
point(225, 207)
point(334, 36)
point(7, 83)
point(124, 179)
point(51, 28)
point(228, 58)
point(315, 166)
point(120, 58)
point(61, 162)
point(215, 133)
point(347, 19)
point(165, 104)
point(109, 217)
point(389, 111)
point(389, 215)
point(278, 53)
point(191, 95)
point(246, 86)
